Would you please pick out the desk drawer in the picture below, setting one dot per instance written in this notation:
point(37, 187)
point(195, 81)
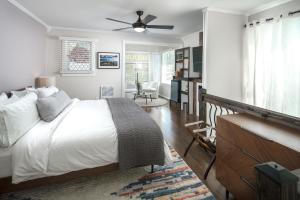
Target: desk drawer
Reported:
point(235, 184)
point(258, 148)
point(241, 162)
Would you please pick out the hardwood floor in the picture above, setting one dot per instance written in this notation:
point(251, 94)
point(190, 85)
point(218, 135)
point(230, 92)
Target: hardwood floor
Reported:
point(172, 120)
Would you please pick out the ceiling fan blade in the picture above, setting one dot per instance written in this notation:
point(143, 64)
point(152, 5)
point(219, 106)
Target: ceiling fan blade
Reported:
point(149, 18)
point(161, 26)
point(119, 29)
point(118, 21)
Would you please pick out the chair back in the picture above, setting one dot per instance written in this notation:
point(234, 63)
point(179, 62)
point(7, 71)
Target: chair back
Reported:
point(150, 85)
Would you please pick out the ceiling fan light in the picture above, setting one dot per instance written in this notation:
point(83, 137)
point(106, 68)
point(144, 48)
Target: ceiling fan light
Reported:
point(139, 29)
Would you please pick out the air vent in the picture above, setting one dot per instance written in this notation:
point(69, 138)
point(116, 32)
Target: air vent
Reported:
point(106, 91)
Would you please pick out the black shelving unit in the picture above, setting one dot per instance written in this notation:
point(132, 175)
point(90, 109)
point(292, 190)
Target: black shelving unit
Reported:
point(182, 64)
point(183, 58)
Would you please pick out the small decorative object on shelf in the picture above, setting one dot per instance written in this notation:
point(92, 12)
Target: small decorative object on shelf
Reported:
point(178, 74)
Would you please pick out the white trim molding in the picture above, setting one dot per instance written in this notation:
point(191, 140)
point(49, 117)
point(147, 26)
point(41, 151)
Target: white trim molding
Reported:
point(78, 38)
point(205, 35)
point(79, 29)
point(267, 6)
point(234, 12)
point(30, 14)
point(175, 45)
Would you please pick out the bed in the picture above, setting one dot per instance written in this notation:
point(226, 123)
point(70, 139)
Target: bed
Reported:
point(87, 138)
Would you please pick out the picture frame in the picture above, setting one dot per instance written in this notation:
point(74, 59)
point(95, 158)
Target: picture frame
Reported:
point(108, 60)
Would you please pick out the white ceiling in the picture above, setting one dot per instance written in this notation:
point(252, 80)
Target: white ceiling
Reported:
point(185, 15)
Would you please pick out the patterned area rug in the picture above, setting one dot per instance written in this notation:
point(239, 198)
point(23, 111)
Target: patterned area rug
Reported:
point(154, 103)
point(176, 181)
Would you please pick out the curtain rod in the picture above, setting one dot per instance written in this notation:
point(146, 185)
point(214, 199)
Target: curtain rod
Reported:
point(270, 19)
point(295, 12)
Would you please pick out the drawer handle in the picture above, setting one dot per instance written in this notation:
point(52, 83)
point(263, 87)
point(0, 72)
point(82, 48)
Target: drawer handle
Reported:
point(245, 180)
point(249, 155)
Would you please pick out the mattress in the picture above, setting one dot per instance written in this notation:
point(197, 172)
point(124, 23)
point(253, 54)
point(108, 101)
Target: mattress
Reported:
point(5, 162)
point(83, 136)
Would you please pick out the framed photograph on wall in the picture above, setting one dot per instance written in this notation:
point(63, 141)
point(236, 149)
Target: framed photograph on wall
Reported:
point(108, 60)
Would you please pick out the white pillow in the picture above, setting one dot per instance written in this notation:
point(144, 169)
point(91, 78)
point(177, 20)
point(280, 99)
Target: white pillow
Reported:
point(10, 100)
point(46, 92)
point(3, 97)
point(21, 93)
point(31, 89)
point(17, 118)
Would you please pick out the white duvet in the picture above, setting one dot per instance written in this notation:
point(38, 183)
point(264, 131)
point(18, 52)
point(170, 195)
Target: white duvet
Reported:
point(82, 136)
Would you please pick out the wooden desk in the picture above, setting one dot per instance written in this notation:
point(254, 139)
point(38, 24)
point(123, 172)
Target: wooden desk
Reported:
point(244, 141)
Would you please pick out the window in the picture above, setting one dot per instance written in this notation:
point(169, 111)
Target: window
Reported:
point(168, 66)
point(78, 56)
point(137, 65)
point(272, 65)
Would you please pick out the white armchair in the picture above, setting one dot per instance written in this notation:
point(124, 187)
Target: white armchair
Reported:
point(150, 87)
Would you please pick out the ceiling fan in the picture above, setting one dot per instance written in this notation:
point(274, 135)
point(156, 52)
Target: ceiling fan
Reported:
point(141, 25)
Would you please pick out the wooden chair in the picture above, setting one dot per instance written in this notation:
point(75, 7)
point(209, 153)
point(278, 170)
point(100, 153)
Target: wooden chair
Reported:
point(203, 134)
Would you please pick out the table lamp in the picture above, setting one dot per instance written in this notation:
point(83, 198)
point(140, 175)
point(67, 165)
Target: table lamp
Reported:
point(45, 81)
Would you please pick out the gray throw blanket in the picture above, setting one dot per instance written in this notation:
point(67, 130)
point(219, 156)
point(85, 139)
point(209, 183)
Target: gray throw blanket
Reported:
point(140, 140)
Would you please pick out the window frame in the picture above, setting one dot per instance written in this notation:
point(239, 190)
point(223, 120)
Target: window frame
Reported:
point(148, 63)
point(161, 79)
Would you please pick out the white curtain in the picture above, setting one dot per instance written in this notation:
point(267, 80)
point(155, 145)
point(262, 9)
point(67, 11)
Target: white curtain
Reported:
point(271, 73)
point(156, 67)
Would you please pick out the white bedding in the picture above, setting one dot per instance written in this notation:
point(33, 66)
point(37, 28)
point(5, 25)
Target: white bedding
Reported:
point(83, 136)
point(5, 162)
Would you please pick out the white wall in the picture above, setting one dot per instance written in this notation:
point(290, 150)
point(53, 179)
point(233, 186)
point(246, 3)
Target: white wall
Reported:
point(88, 87)
point(223, 54)
point(191, 40)
point(276, 11)
point(146, 48)
point(22, 50)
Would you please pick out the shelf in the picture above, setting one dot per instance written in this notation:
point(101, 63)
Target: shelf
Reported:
point(194, 78)
point(183, 63)
point(184, 69)
point(188, 79)
point(184, 92)
point(184, 79)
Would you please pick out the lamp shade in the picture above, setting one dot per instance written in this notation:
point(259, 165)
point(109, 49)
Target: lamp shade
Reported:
point(45, 81)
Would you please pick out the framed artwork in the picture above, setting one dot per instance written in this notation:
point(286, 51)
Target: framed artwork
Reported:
point(108, 60)
point(77, 56)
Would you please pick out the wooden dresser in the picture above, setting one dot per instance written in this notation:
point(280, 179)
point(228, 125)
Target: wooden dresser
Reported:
point(244, 141)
